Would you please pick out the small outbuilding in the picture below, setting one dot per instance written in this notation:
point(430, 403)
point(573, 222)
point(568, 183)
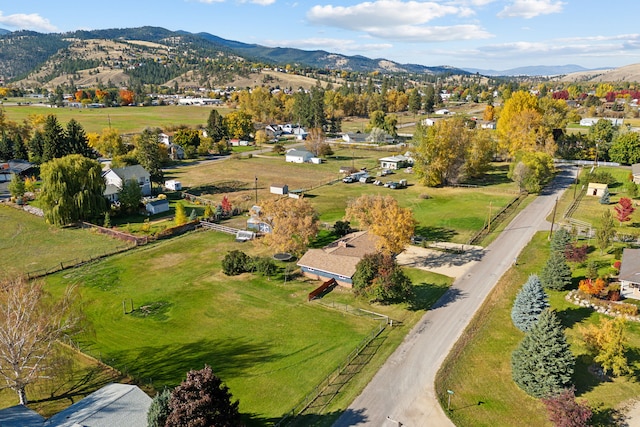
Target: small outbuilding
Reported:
point(279, 189)
point(155, 207)
point(173, 185)
point(395, 162)
point(596, 189)
point(298, 156)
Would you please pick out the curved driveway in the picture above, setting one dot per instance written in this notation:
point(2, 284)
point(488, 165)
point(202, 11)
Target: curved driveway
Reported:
point(403, 390)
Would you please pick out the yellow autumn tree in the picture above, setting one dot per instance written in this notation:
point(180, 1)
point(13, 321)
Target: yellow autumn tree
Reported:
point(293, 223)
point(520, 126)
point(607, 342)
point(383, 217)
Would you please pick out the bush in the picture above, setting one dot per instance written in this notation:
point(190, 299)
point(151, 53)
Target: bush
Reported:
point(575, 253)
point(592, 287)
point(236, 262)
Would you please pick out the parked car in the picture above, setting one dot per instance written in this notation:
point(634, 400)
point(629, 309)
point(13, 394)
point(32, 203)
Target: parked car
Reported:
point(348, 179)
point(385, 172)
point(388, 184)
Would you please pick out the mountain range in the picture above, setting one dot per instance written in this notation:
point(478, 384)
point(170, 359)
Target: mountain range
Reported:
point(47, 59)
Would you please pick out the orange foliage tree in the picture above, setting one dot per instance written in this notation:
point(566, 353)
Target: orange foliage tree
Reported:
point(592, 287)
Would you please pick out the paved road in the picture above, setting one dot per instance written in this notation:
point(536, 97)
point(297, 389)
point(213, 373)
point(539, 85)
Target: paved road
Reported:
point(403, 390)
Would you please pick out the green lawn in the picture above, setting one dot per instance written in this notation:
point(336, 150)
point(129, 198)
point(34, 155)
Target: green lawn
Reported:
point(261, 336)
point(479, 371)
point(125, 119)
point(28, 244)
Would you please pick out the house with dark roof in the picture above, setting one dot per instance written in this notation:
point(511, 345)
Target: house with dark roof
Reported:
point(18, 167)
point(339, 259)
point(629, 276)
point(635, 171)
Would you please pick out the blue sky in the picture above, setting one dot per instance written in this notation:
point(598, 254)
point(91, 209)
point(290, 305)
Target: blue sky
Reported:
point(486, 34)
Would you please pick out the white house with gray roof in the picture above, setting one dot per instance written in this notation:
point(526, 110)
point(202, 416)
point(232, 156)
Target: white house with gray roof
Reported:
point(629, 276)
point(116, 177)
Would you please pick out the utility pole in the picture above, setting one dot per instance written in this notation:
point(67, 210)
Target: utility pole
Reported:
point(553, 218)
point(489, 226)
point(256, 187)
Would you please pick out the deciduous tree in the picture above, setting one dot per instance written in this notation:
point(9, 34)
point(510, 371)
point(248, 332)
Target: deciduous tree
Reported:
point(16, 185)
point(31, 323)
point(592, 286)
point(625, 148)
point(383, 217)
point(530, 302)
point(293, 223)
point(202, 400)
point(607, 342)
point(72, 189)
point(130, 195)
point(379, 278)
point(542, 364)
point(216, 128)
point(564, 411)
point(181, 214)
point(149, 154)
point(624, 209)
point(606, 231)
point(238, 124)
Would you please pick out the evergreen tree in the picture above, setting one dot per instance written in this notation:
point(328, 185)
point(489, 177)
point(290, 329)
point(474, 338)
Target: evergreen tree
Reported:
point(19, 150)
point(16, 185)
point(530, 302)
point(556, 273)
point(605, 199)
point(193, 215)
point(159, 409)
point(216, 128)
point(76, 139)
point(36, 147)
point(53, 140)
point(560, 240)
point(6, 147)
point(202, 400)
point(542, 364)
point(107, 220)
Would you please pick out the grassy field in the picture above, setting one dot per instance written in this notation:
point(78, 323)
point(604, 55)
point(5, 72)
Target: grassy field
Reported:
point(261, 336)
point(28, 244)
point(479, 370)
point(125, 119)
point(449, 214)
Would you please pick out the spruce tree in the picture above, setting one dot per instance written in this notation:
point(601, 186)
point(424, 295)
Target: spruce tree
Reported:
point(76, 140)
point(560, 240)
point(605, 199)
point(556, 273)
point(542, 364)
point(530, 302)
point(159, 409)
point(53, 140)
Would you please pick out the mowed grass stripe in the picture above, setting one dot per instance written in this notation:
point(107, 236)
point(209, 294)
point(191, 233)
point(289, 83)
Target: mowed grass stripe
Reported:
point(260, 336)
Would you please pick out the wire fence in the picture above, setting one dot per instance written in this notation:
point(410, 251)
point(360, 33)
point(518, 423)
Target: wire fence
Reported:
point(497, 219)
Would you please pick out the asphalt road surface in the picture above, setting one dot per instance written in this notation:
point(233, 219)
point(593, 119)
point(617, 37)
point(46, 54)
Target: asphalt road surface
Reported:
point(403, 391)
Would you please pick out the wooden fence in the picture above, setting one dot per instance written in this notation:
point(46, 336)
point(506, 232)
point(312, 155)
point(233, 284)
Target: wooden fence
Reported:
point(325, 287)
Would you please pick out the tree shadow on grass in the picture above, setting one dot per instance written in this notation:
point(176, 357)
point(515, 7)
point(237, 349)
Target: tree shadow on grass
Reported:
point(168, 365)
point(436, 234)
point(572, 315)
point(350, 417)
point(425, 295)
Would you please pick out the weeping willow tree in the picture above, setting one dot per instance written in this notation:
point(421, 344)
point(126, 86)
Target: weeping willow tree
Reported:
point(72, 190)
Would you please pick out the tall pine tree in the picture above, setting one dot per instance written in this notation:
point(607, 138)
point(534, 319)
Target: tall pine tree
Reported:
point(76, 139)
point(530, 302)
point(542, 364)
point(556, 273)
point(53, 140)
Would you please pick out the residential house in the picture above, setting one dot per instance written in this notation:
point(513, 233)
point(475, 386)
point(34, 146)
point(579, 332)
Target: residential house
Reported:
point(300, 133)
point(174, 151)
point(339, 259)
point(18, 167)
point(395, 162)
point(112, 405)
point(596, 189)
point(630, 274)
point(115, 179)
point(355, 137)
point(635, 171)
point(484, 124)
point(155, 207)
point(442, 112)
point(298, 156)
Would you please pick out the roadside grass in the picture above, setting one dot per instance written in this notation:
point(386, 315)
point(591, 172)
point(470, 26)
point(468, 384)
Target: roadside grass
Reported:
point(28, 244)
point(265, 341)
point(478, 369)
point(124, 119)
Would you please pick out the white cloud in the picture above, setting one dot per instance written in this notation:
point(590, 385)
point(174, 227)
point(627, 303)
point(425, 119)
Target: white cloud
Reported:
point(531, 8)
point(329, 44)
point(210, 1)
point(23, 21)
point(398, 20)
